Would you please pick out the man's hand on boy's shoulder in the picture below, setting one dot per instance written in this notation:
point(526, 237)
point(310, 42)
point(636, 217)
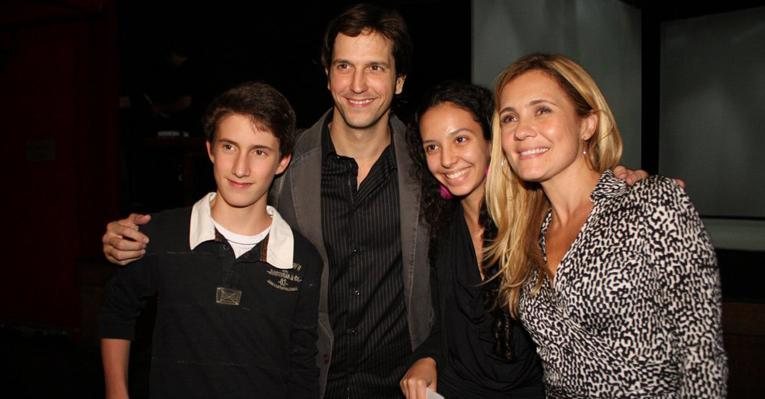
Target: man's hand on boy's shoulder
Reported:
point(122, 242)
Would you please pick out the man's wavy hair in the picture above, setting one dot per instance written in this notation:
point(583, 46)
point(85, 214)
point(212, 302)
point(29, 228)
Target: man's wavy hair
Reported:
point(363, 18)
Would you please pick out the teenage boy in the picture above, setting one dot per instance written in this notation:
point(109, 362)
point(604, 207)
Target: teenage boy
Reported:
point(237, 289)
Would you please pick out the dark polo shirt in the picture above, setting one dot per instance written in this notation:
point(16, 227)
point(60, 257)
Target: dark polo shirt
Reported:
point(225, 327)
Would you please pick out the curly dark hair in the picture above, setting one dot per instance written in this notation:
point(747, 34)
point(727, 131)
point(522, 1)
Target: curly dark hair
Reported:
point(477, 101)
point(438, 212)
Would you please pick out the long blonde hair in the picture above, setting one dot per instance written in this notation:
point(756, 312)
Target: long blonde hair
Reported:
point(519, 207)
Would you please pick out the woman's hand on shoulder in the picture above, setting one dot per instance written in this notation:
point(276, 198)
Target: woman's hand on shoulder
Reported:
point(420, 376)
point(631, 176)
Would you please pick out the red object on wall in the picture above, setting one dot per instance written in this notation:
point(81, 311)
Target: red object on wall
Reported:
point(59, 102)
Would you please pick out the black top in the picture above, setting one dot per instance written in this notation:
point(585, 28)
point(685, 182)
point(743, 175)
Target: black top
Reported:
point(263, 347)
point(462, 342)
point(362, 237)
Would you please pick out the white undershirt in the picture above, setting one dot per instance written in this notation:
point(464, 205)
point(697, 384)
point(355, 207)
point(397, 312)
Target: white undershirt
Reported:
point(241, 243)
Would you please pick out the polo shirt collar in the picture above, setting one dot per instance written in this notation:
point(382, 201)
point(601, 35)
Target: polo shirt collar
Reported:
point(280, 240)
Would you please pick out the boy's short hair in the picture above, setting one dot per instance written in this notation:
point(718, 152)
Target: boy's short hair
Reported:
point(262, 103)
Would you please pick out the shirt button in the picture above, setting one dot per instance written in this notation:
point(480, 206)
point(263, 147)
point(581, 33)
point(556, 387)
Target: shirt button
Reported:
point(355, 251)
point(353, 331)
point(355, 292)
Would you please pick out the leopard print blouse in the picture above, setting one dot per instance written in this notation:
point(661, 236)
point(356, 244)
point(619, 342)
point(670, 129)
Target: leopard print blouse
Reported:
point(634, 308)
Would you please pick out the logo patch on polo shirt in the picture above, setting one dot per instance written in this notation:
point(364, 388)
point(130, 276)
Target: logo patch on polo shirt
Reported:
point(285, 279)
point(228, 296)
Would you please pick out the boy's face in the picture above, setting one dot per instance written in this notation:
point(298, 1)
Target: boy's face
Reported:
point(362, 79)
point(245, 159)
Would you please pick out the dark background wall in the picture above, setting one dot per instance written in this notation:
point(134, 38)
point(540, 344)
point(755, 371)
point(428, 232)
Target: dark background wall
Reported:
point(59, 74)
point(224, 44)
point(85, 87)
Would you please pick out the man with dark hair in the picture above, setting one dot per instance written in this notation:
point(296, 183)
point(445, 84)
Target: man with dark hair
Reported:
point(350, 192)
point(375, 304)
point(237, 288)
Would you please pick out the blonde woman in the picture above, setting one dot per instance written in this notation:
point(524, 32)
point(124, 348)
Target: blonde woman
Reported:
point(617, 285)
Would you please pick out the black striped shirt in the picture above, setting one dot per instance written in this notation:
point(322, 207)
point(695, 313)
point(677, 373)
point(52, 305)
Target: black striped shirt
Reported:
point(362, 236)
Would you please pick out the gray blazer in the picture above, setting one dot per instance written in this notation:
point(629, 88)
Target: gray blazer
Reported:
point(297, 196)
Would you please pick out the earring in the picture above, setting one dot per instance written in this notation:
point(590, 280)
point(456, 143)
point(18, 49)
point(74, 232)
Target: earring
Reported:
point(444, 192)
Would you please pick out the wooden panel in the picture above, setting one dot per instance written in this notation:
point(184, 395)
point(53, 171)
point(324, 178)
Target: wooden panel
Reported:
point(744, 335)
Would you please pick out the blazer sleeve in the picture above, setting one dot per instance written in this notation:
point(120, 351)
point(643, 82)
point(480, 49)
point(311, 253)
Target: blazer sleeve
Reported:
point(304, 373)
point(432, 346)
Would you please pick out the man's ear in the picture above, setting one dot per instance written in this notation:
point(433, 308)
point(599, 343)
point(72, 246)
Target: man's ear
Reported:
point(400, 83)
point(283, 163)
point(326, 74)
